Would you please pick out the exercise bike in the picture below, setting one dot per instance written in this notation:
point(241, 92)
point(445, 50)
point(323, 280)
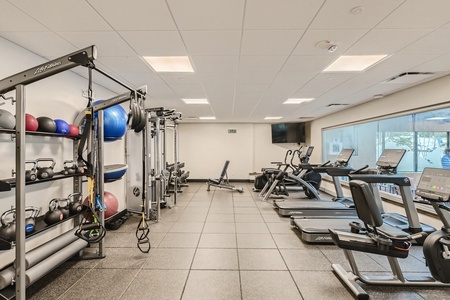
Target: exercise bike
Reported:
point(434, 189)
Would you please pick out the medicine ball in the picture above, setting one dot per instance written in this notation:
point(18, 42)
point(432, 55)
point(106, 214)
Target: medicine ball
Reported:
point(31, 123)
point(73, 130)
point(62, 126)
point(46, 124)
point(7, 119)
point(111, 204)
point(114, 122)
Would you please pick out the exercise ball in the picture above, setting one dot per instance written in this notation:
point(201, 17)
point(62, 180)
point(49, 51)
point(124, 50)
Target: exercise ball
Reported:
point(114, 122)
point(73, 130)
point(62, 126)
point(111, 204)
point(7, 119)
point(31, 123)
point(46, 124)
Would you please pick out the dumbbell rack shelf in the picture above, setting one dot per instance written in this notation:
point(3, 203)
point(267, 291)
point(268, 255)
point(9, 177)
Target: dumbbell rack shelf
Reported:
point(10, 183)
point(40, 226)
point(38, 133)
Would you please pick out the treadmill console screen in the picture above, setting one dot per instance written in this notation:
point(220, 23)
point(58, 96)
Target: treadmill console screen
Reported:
point(309, 151)
point(390, 158)
point(434, 184)
point(344, 156)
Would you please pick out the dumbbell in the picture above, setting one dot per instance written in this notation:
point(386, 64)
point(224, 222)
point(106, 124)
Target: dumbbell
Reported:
point(30, 175)
point(45, 172)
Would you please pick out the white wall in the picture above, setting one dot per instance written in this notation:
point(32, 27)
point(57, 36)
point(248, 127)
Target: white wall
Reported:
point(205, 147)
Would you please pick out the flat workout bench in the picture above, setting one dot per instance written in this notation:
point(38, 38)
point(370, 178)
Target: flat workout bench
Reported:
point(223, 181)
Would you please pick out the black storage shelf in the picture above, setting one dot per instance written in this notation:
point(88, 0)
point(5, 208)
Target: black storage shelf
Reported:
point(10, 183)
point(38, 133)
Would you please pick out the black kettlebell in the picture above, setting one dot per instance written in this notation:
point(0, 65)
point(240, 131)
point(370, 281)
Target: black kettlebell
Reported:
point(30, 175)
point(8, 229)
point(75, 205)
point(47, 172)
point(63, 205)
point(70, 167)
point(54, 214)
point(30, 221)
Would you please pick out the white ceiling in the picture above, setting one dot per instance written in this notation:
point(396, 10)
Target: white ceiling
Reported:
point(249, 56)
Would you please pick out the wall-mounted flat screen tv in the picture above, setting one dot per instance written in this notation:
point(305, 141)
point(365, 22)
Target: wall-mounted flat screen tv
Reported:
point(288, 133)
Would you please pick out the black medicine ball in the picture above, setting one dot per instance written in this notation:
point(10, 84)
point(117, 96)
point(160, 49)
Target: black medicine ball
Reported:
point(46, 124)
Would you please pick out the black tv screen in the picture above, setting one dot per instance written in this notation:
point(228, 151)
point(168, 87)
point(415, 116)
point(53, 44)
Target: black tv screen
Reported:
point(288, 133)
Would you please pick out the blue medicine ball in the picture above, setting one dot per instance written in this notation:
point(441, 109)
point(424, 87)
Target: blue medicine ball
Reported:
point(114, 122)
point(62, 126)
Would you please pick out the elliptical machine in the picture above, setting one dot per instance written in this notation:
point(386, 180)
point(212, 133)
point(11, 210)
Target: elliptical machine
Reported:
point(434, 189)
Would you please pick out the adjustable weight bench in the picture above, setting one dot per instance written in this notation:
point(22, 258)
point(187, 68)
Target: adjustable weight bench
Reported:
point(223, 181)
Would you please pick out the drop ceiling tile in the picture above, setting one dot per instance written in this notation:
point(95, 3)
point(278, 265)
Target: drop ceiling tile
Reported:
point(418, 14)
point(125, 64)
point(256, 77)
point(259, 63)
point(212, 42)
point(155, 43)
point(140, 79)
point(45, 43)
point(307, 64)
point(207, 14)
point(63, 15)
point(255, 88)
point(342, 38)
point(15, 20)
point(437, 42)
point(217, 63)
point(268, 14)
point(108, 43)
point(269, 42)
point(386, 41)
point(336, 14)
point(180, 78)
point(217, 79)
point(438, 64)
point(324, 82)
point(135, 14)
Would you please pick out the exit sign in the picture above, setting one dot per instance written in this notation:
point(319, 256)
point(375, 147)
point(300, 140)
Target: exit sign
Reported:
point(232, 131)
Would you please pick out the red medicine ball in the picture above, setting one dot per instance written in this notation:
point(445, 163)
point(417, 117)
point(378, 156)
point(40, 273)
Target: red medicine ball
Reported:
point(31, 123)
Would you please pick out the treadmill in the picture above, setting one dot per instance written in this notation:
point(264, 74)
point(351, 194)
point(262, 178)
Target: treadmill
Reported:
point(337, 207)
point(315, 230)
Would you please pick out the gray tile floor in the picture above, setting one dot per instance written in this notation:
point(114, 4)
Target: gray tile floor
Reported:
point(218, 245)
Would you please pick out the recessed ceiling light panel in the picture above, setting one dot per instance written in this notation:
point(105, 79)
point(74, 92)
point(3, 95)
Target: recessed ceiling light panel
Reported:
point(207, 118)
point(354, 63)
point(195, 101)
point(297, 100)
point(273, 118)
point(163, 64)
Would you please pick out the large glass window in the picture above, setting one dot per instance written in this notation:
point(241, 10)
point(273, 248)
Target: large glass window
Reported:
point(424, 136)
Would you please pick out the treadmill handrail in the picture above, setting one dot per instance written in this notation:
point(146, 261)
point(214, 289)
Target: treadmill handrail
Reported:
point(397, 179)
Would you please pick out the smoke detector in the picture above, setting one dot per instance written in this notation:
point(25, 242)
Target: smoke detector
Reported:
point(327, 45)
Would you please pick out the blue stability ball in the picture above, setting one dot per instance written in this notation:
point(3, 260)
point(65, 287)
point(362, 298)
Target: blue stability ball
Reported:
point(62, 126)
point(114, 122)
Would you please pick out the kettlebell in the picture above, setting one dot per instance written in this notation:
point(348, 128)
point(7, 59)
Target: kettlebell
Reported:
point(30, 175)
point(44, 173)
point(54, 214)
point(75, 206)
point(70, 167)
point(30, 221)
point(63, 205)
point(8, 229)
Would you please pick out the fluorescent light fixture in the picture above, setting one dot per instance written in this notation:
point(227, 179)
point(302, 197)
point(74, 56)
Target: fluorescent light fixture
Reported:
point(207, 118)
point(353, 63)
point(195, 101)
point(297, 100)
point(437, 118)
point(180, 64)
point(273, 118)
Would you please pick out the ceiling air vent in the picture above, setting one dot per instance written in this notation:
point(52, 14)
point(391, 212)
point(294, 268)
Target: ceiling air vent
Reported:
point(336, 104)
point(410, 77)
